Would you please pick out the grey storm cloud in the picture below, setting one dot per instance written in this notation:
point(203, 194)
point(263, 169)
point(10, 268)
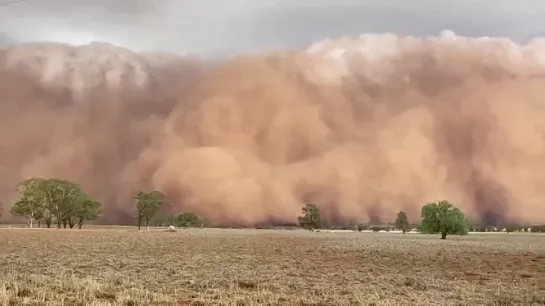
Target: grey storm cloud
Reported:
point(223, 27)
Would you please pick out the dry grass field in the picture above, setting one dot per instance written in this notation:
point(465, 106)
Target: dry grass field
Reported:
point(266, 267)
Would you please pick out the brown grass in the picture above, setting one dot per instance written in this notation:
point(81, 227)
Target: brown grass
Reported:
point(265, 267)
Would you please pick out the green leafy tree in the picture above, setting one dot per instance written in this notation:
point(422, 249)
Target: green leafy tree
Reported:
point(62, 199)
point(311, 218)
point(52, 200)
point(32, 200)
point(73, 208)
point(189, 219)
point(87, 210)
point(442, 217)
point(147, 205)
point(402, 222)
point(29, 209)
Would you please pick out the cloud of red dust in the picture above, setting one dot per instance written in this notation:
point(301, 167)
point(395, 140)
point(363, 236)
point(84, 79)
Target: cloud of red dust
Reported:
point(363, 127)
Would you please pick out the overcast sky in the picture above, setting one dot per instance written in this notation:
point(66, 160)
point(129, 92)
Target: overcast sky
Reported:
point(227, 26)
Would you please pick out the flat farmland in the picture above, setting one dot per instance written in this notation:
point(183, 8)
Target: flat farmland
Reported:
point(266, 267)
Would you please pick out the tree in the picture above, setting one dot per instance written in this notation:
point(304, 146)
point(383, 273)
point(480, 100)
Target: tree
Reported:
point(402, 222)
point(189, 219)
point(147, 205)
point(56, 200)
point(442, 217)
point(311, 218)
point(87, 209)
point(32, 199)
point(28, 208)
point(62, 197)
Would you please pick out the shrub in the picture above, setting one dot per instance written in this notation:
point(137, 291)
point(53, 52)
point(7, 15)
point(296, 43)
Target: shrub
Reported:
point(375, 229)
point(538, 229)
point(362, 227)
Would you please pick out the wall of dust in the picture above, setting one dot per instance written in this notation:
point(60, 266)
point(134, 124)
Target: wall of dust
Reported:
point(363, 126)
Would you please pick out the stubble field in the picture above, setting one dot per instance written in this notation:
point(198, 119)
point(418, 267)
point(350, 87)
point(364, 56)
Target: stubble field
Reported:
point(266, 267)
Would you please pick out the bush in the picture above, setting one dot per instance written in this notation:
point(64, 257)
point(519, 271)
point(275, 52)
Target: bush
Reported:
point(513, 227)
point(362, 227)
point(538, 229)
point(347, 227)
point(188, 219)
point(380, 228)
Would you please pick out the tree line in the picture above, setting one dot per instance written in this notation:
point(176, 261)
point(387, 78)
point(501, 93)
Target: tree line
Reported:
point(150, 204)
point(440, 217)
point(54, 201)
point(64, 203)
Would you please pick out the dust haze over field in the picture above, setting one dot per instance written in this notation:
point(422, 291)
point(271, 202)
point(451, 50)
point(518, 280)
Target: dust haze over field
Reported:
point(362, 126)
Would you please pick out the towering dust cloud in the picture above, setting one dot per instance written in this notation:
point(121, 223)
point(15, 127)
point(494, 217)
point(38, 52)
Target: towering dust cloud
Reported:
point(363, 127)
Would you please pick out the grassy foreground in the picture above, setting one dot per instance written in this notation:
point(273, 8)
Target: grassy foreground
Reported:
point(265, 267)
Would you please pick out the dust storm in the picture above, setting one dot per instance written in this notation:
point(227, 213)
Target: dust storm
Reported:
point(363, 126)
